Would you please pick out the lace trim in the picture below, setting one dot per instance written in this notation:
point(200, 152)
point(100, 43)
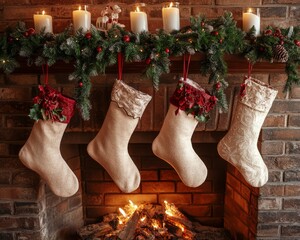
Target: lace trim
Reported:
point(190, 97)
point(257, 95)
point(131, 100)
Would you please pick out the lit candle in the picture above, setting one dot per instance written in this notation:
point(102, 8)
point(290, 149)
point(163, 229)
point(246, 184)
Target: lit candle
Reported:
point(82, 19)
point(138, 21)
point(42, 21)
point(170, 14)
point(251, 18)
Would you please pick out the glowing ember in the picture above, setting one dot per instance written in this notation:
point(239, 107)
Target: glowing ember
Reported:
point(143, 218)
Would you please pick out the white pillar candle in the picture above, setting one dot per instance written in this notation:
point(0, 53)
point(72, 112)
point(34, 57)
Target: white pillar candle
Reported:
point(250, 19)
point(171, 20)
point(42, 21)
point(82, 19)
point(138, 21)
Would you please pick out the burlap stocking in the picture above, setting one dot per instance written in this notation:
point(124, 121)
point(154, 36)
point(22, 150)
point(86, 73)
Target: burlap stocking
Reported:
point(173, 144)
point(239, 146)
point(110, 147)
point(41, 152)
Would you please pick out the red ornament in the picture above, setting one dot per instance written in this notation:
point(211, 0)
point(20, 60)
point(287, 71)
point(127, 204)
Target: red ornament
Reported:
point(148, 61)
point(268, 32)
point(26, 34)
point(215, 33)
point(261, 49)
point(167, 50)
point(31, 31)
point(297, 42)
point(277, 33)
point(10, 40)
point(221, 41)
point(218, 85)
point(202, 24)
point(88, 35)
point(126, 38)
point(99, 49)
point(80, 84)
point(281, 42)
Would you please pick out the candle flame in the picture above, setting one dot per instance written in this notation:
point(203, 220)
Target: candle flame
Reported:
point(171, 4)
point(84, 7)
point(79, 8)
point(43, 12)
point(137, 9)
point(122, 212)
point(250, 10)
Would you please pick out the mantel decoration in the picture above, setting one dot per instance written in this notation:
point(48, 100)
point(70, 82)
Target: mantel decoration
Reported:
point(92, 51)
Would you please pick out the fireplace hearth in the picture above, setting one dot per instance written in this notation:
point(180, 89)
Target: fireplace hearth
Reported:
point(149, 221)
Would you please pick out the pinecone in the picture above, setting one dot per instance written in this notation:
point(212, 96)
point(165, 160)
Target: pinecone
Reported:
point(280, 54)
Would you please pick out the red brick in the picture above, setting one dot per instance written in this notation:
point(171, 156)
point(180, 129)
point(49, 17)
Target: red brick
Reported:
point(96, 212)
point(284, 106)
point(233, 182)
point(233, 2)
point(102, 187)
point(269, 203)
point(273, 12)
point(272, 148)
point(241, 202)
point(205, 187)
point(208, 198)
point(281, 134)
point(169, 175)
point(291, 204)
point(158, 187)
point(15, 2)
point(5, 177)
point(176, 198)
point(294, 121)
point(122, 199)
point(275, 176)
point(272, 190)
point(278, 217)
point(267, 230)
point(196, 211)
point(22, 208)
point(292, 190)
point(280, 1)
point(21, 94)
point(21, 79)
point(93, 199)
point(25, 178)
point(18, 193)
point(149, 175)
point(28, 223)
point(6, 208)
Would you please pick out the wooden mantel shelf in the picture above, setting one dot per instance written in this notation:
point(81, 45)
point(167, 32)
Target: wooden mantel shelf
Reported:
point(236, 64)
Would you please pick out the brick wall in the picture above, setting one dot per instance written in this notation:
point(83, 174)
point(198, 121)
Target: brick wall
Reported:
point(24, 202)
point(281, 12)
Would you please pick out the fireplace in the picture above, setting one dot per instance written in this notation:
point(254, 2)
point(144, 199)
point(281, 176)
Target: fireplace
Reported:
point(29, 210)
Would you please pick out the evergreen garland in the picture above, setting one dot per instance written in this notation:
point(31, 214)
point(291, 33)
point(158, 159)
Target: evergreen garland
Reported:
point(92, 52)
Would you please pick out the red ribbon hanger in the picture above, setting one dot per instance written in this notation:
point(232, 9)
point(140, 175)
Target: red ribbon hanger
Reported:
point(186, 65)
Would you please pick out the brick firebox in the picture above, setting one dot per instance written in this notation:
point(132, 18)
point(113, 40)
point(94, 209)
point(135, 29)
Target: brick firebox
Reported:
point(28, 210)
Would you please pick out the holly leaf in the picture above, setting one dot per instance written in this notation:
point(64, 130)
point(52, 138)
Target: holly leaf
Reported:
point(35, 112)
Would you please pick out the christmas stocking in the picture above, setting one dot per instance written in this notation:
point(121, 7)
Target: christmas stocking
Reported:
point(41, 152)
point(189, 103)
point(239, 146)
point(110, 147)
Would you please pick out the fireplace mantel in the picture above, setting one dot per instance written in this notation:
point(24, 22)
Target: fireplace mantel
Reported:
point(236, 64)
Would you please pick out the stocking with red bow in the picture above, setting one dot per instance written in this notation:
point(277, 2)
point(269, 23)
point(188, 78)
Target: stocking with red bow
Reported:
point(41, 152)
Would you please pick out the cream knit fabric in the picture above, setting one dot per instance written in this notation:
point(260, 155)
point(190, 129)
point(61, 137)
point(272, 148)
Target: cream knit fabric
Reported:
point(41, 153)
point(110, 147)
point(239, 146)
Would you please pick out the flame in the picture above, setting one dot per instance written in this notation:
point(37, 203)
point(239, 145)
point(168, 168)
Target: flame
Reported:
point(154, 224)
point(137, 9)
point(143, 219)
point(132, 204)
point(79, 8)
point(84, 7)
point(249, 10)
point(122, 212)
point(171, 4)
point(168, 210)
point(43, 12)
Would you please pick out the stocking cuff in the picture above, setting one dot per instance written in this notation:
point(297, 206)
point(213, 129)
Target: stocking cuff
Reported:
point(131, 100)
point(190, 97)
point(50, 104)
point(257, 94)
